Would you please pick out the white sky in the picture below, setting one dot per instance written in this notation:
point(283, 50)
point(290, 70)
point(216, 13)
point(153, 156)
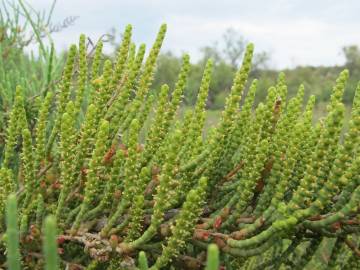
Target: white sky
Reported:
point(294, 32)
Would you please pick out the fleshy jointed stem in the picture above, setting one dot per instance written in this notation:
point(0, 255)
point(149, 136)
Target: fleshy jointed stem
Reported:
point(50, 245)
point(12, 234)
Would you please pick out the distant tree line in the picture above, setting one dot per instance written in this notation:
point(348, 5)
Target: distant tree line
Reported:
point(227, 54)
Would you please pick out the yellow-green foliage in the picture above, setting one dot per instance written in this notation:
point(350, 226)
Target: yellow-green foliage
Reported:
point(266, 185)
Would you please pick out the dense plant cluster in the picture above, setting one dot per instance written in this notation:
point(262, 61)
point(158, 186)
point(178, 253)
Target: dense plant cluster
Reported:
point(121, 174)
point(22, 27)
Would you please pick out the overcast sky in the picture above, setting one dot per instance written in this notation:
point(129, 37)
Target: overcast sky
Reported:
point(297, 32)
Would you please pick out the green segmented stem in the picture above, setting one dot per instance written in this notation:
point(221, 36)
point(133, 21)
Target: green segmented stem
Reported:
point(212, 262)
point(50, 245)
point(143, 264)
point(12, 234)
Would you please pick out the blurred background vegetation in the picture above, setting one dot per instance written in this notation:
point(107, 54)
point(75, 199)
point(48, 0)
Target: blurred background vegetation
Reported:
point(227, 54)
point(37, 71)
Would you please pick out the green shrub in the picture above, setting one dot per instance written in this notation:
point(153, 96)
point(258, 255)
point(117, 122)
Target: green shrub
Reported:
point(266, 184)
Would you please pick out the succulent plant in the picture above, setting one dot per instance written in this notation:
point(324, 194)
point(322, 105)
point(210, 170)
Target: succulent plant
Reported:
point(265, 188)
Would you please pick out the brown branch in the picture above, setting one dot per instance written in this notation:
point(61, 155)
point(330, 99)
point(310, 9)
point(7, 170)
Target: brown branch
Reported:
point(351, 222)
point(246, 220)
point(44, 170)
point(243, 233)
point(201, 234)
point(232, 173)
point(353, 247)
